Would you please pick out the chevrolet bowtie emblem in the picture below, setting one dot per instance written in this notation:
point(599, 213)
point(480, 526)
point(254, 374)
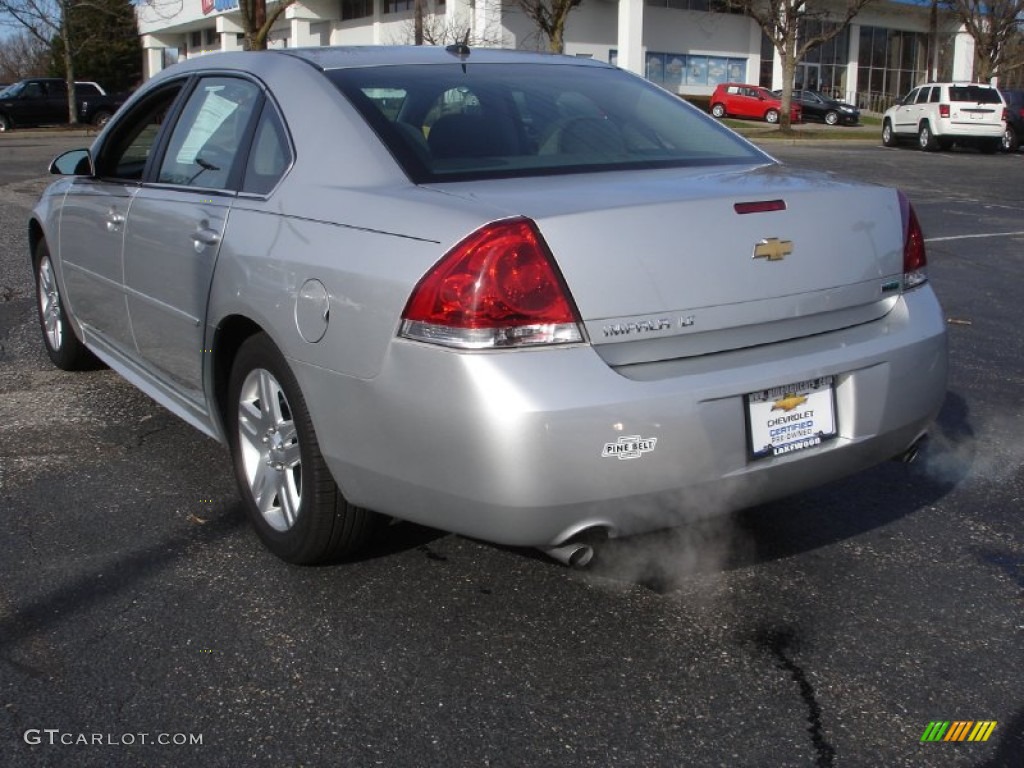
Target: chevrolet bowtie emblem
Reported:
point(773, 249)
point(789, 402)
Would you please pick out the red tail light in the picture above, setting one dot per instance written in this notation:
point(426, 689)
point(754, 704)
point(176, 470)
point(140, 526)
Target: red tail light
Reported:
point(914, 258)
point(943, 110)
point(497, 288)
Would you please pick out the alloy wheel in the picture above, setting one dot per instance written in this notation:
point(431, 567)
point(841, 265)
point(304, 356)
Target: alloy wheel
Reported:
point(270, 452)
point(49, 305)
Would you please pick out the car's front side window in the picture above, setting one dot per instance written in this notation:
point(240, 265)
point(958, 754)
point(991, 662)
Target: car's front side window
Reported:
point(126, 150)
point(211, 133)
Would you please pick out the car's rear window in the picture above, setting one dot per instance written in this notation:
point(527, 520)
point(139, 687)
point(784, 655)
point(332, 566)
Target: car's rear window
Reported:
point(974, 94)
point(456, 122)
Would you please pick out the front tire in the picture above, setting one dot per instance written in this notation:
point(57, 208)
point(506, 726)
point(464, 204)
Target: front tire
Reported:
point(926, 139)
point(888, 135)
point(63, 347)
point(101, 118)
point(718, 110)
point(831, 117)
point(289, 494)
point(5, 123)
point(771, 116)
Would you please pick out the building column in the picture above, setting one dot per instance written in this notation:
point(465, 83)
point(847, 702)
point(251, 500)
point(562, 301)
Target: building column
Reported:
point(153, 62)
point(777, 74)
point(486, 18)
point(631, 36)
point(963, 57)
point(852, 61)
point(753, 70)
point(301, 37)
point(153, 50)
point(229, 30)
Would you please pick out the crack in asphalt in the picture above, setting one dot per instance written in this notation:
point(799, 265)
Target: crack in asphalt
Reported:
point(777, 641)
point(141, 438)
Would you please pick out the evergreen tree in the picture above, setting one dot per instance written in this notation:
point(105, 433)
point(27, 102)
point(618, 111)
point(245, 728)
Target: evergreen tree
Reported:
point(105, 44)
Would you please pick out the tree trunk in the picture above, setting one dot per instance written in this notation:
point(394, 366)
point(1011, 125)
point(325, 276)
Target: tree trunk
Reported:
point(788, 76)
point(69, 66)
point(417, 25)
point(556, 42)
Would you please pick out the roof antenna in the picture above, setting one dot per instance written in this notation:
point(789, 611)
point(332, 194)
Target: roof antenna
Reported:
point(461, 48)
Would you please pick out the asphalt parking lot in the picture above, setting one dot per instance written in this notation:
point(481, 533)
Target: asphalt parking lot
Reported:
point(141, 623)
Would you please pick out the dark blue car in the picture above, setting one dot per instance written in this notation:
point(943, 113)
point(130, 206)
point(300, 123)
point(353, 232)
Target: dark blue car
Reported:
point(818, 106)
point(1014, 119)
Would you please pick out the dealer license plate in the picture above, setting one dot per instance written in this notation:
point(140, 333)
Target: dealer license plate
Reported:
point(791, 418)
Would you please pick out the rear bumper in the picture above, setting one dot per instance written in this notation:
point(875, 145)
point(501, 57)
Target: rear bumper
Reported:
point(508, 446)
point(968, 130)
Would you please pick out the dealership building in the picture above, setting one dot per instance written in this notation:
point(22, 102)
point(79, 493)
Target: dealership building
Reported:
point(683, 45)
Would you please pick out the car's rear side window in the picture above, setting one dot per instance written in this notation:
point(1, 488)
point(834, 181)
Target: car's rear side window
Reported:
point(448, 122)
point(270, 155)
point(974, 94)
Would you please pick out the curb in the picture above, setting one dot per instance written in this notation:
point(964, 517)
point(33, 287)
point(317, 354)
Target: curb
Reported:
point(89, 133)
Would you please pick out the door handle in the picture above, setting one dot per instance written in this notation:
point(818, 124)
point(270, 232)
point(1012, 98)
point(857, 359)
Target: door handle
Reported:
point(114, 220)
point(204, 236)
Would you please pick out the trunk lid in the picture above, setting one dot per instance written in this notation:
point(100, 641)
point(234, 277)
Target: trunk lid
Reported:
point(661, 264)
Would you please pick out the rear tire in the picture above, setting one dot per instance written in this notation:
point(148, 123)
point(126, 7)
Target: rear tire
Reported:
point(5, 123)
point(771, 116)
point(888, 135)
point(926, 139)
point(62, 345)
point(1010, 140)
point(718, 110)
point(289, 494)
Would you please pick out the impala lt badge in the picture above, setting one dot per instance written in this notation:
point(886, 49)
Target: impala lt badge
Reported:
point(773, 249)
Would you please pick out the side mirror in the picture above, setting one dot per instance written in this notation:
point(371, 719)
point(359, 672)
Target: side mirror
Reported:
point(75, 162)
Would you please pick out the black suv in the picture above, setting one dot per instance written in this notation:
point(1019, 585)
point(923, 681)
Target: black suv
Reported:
point(1014, 119)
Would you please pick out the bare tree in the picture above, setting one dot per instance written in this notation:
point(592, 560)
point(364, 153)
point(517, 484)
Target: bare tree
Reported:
point(995, 25)
point(46, 21)
point(1012, 75)
point(23, 56)
point(453, 26)
point(550, 17)
point(789, 24)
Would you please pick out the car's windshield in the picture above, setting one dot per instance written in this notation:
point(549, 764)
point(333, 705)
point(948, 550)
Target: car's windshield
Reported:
point(448, 122)
point(12, 90)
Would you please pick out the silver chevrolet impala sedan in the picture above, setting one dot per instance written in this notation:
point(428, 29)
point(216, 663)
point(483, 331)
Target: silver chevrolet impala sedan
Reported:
point(521, 297)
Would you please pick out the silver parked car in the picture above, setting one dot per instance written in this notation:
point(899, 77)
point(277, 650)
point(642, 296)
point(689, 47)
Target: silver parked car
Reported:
point(516, 296)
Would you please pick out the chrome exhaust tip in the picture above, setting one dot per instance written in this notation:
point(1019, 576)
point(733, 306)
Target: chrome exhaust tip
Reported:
point(910, 455)
point(574, 554)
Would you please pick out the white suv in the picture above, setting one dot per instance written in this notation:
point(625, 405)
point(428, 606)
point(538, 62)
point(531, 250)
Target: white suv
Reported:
point(941, 114)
